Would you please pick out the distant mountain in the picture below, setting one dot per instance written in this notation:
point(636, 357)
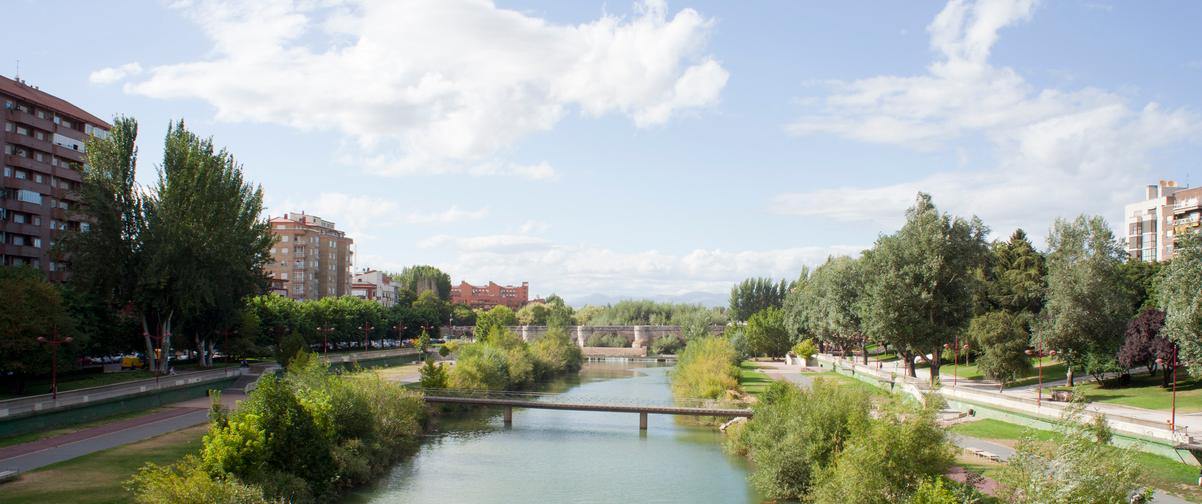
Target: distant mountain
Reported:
point(701, 298)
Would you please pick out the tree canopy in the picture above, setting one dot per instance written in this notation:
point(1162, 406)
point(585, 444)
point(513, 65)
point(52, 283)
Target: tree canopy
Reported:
point(755, 294)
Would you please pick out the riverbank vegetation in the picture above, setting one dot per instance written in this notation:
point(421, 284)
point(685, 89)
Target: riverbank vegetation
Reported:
point(706, 369)
point(502, 361)
point(836, 444)
point(305, 437)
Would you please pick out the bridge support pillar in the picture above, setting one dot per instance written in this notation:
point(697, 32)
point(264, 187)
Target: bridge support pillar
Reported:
point(643, 420)
point(508, 415)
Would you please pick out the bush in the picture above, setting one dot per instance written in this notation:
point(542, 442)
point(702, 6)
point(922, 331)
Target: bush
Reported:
point(288, 347)
point(806, 349)
point(433, 376)
point(666, 345)
point(555, 353)
point(932, 491)
point(186, 482)
point(608, 340)
point(480, 366)
point(706, 369)
point(830, 443)
point(301, 438)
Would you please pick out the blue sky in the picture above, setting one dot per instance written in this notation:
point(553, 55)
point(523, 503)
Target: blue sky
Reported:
point(648, 148)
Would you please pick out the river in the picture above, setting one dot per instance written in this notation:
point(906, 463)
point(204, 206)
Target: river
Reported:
point(571, 456)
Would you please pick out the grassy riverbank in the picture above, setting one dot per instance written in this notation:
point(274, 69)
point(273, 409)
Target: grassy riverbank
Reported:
point(98, 478)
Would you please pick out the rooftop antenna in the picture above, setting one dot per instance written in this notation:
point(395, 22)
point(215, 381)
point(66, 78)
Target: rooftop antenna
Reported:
point(18, 76)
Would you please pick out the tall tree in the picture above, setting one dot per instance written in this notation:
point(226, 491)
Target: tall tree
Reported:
point(832, 298)
point(1013, 287)
point(1181, 299)
point(107, 259)
point(1017, 274)
point(206, 241)
point(1002, 338)
point(1142, 278)
point(1087, 305)
point(795, 307)
point(423, 277)
point(755, 294)
point(921, 282)
point(766, 334)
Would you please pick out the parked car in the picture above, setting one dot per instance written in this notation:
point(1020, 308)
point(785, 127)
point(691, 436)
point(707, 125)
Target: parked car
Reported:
point(131, 362)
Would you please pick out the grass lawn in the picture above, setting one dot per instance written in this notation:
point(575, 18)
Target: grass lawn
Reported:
point(34, 436)
point(752, 380)
point(1052, 370)
point(1145, 392)
point(848, 381)
point(99, 478)
point(1160, 472)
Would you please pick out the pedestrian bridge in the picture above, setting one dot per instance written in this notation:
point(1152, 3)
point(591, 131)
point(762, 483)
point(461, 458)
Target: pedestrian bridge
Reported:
point(508, 400)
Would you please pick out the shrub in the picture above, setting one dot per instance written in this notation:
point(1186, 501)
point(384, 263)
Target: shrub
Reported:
point(433, 376)
point(705, 369)
point(806, 349)
point(555, 353)
point(186, 482)
point(480, 366)
point(666, 345)
point(609, 340)
point(288, 347)
point(932, 491)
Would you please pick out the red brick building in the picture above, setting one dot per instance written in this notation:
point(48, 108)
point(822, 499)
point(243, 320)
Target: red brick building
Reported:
point(491, 295)
point(42, 148)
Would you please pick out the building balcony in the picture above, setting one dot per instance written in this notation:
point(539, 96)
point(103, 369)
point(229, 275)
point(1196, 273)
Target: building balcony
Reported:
point(70, 154)
point(15, 115)
point(28, 141)
point(25, 229)
point(22, 206)
point(27, 163)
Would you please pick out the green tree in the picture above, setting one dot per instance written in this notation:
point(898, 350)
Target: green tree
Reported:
point(1182, 301)
point(1002, 339)
point(755, 294)
point(499, 316)
point(1142, 279)
point(706, 369)
point(433, 375)
point(1087, 307)
point(831, 304)
point(1016, 280)
point(32, 308)
point(462, 315)
point(533, 314)
point(421, 278)
point(919, 293)
point(796, 307)
point(766, 334)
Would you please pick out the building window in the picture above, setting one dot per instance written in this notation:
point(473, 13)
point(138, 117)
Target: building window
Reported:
point(29, 196)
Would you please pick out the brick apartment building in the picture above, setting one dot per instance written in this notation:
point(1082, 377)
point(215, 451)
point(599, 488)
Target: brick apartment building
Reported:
point(1166, 212)
point(42, 150)
point(491, 295)
point(311, 259)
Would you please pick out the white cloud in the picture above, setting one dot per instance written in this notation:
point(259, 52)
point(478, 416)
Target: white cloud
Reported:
point(582, 269)
point(439, 86)
point(363, 216)
point(113, 74)
point(1058, 152)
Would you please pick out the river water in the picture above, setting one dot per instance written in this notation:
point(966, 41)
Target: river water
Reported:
point(571, 456)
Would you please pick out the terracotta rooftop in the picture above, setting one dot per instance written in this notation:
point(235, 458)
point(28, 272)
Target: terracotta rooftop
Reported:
point(32, 94)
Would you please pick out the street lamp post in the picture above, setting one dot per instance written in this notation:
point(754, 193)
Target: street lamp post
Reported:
point(162, 355)
point(54, 343)
point(400, 331)
point(1173, 418)
point(1039, 356)
point(325, 341)
point(366, 327)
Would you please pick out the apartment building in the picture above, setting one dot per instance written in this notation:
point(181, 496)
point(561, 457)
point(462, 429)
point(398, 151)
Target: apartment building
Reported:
point(42, 150)
point(375, 286)
point(311, 258)
point(1167, 211)
point(491, 295)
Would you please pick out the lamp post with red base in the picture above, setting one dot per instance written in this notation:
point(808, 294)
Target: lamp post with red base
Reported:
point(1173, 418)
point(54, 343)
point(1039, 356)
point(325, 341)
point(162, 359)
point(366, 328)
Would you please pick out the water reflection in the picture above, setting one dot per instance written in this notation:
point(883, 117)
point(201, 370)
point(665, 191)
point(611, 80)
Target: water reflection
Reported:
point(571, 456)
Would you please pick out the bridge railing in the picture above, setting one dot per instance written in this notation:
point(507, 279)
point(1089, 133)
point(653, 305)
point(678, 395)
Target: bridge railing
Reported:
point(569, 398)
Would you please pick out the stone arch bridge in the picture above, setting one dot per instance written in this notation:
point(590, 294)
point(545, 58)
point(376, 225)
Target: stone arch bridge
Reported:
point(639, 336)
